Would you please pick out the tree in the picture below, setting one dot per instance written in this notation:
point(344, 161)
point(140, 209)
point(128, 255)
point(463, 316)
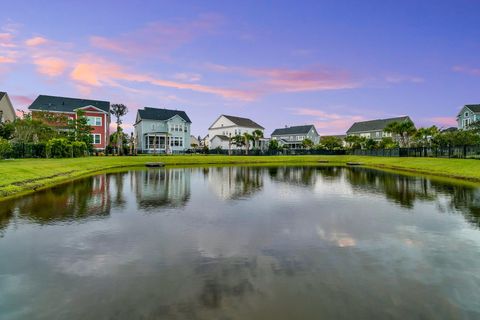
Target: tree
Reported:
point(257, 135)
point(247, 138)
point(80, 130)
point(119, 139)
point(401, 129)
point(355, 142)
point(387, 143)
point(331, 143)
point(273, 145)
point(307, 143)
point(423, 136)
point(118, 111)
point(238, 141)
point(7, 130)
point(370, 144)
point(29, 130)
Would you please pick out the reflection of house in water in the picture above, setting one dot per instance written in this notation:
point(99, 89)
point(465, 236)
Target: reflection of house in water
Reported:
point(301, 176)
point(74, 201)
point(235, 182)
point(162, 187)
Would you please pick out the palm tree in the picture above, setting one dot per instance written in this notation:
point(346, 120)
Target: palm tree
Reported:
point(247, 137)
point(118, 111)
point(402, 129)
point(257, 135)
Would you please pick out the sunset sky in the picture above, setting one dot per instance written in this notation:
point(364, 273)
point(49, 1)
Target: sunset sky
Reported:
point(329, 63)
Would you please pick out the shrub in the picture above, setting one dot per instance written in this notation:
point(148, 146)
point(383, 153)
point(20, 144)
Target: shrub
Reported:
point(59, 148)
point(5, 148)
point(79, 149)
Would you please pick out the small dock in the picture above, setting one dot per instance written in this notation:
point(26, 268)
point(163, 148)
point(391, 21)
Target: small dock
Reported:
point(155, 164)
point(354, 163)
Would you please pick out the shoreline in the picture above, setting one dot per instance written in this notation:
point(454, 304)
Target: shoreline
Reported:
point(24, 176)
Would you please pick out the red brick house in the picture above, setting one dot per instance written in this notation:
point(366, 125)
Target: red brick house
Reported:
point(96, 111)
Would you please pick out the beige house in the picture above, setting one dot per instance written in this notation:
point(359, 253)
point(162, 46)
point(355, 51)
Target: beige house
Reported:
point(7, 113)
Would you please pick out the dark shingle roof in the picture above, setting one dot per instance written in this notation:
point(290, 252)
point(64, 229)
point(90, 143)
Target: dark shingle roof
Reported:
point(161, 114)
point(473, 107)
point(373, 125)
point(2, 94)
point(63, 104)
point(292, 130)
point(244, 122)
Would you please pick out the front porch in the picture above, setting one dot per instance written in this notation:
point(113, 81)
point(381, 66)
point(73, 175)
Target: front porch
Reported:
point(156, 142)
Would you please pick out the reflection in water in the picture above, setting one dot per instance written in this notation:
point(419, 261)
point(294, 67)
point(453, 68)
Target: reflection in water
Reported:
point(243, 243)
point(234, 182)
point(156, 188)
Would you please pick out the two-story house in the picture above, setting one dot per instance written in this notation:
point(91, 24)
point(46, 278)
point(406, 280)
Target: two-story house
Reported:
point(292, 137)
point(227, 127)
point(7, 113)
point(374, 129)
point(162, 131)
point(97, 113)
point(469, 114)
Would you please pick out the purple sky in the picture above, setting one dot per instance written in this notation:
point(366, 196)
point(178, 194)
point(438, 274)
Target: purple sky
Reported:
point(278, 62)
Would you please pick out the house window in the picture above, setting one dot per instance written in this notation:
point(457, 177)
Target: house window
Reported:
point(176, 142)
point(94, 121)
point(96, 138)
point(377, 134)
point(466, 113)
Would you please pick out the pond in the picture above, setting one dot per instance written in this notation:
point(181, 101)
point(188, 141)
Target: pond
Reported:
point(243, 243)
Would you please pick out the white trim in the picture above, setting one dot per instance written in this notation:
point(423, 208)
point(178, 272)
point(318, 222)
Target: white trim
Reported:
point(90, 106)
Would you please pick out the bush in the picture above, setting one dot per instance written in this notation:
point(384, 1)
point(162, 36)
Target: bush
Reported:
point(79, 149)
point(5, 148)
point(59, 148)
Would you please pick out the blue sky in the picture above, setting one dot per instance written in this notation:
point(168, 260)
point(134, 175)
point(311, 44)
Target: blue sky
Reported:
point(280, 63)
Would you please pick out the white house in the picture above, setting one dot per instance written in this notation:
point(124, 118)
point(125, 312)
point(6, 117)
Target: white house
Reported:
point(162, 131)
point(227, 127)
point(6, 109)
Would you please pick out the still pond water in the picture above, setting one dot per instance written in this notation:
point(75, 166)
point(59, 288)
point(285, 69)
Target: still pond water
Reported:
point(243, 243)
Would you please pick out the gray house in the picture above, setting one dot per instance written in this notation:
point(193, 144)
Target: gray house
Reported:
point(292, 137)
point(469, 114)
point(374, 129)
point(162, 131)
point(7, 113)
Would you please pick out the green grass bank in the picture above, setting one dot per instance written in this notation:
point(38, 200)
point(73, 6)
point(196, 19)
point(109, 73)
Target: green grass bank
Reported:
point(23, 176)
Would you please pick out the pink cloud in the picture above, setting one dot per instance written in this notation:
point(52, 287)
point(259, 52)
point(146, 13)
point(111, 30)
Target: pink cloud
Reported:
point(273, 80)
point(467, 70)
point(21, 101)
point(328, 123)
point(6, 40)
point(444, 121)
point(158, 37)
point(95, 72)
point(51, 66)
point(4, 59)
point(35, 41)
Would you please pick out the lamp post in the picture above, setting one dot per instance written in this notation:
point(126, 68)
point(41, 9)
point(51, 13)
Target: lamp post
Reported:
point(229, 143)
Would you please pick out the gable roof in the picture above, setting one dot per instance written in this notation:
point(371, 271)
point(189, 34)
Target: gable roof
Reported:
point(149, 113)
point(64, 104)
point(373, 125)
point(243, 122)
point(473, 107)
point(221, 137)
point(293, 130)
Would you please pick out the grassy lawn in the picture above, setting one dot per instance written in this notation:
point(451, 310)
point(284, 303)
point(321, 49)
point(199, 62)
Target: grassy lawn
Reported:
point(26, 175)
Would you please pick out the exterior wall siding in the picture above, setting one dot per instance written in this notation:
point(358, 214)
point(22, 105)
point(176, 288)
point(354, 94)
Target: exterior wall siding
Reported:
point(467, 117)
